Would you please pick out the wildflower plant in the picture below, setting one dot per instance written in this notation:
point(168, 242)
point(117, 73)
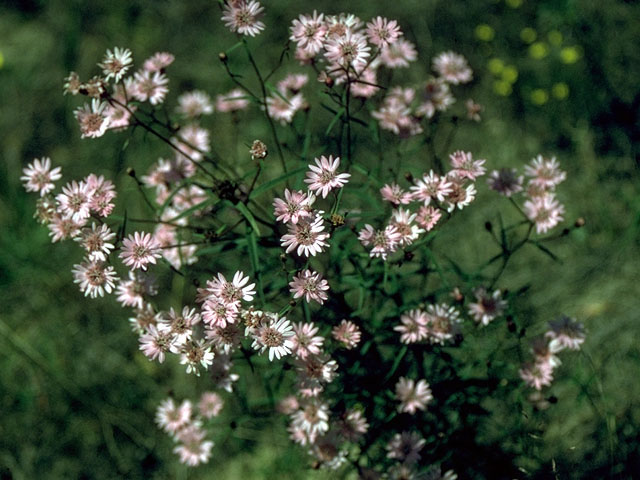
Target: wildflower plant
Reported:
point(339, 282)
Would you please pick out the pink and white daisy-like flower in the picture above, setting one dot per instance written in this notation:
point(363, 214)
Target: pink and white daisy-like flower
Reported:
point(151, 86)
point(473, 110)
point(288, 405)
point(138, 250)
point(283, 107)
point(218, 313)
point(195, 354)
point(545, 352)
point(232, 101)
point(242, 16)
point(308, 31)
point(72, 84)
point(340, 25)
point(323, 177)
point(545, 211)
point(293, 83)
point(537, 375)
point(435, 97)
point(465, 166)
point(312, 418)
point(431, 186)
point(210, 404)
point(487, 307)
point(442, 322)
point(453, 68)
point(412, 395)
point(225, 339)
point(132, 292)
point(46, 210)
point(505, 181)
point(194, 141)
point(61, 228)
point(545, 172)
point(405, 447)
point(179, 324)
point(305, 341)
point(177, 256)
point(39, 177)
point(428, 216)
point(309, 285)
point(329, 451)
point(296, 204)
point(158, 62)
point(395, 194)
point(314, 371)
point(365, 84)
point(347, 333)
point(94, 278)
point(97, 241)
point(115, 64)
point(403, 220)
point(172, 418)
point(103, 192)
point(220, 373)
point(119, 117)
point(413, 326)
point(382, 32)
point(232, 291)
point(461, 194)
point(75, 201)
point(398, 54)
point(144, 317)
point(92, 119)
point(353, 425)
point(307, 236)
point(94, 87)
point(565, 333)
point(193, 449)
point(156, 343)
point(194, 104)
point(383, 241)
point(348, 50)
point(274, 336)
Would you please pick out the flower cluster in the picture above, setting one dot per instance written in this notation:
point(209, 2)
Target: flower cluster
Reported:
point(564, 333)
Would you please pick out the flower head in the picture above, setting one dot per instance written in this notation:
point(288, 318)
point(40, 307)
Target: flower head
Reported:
point(242, 16)
point(307, 236)
point(115, 64)
point(139, 249)
point(382, 32)
point(412, 395)
point(322, 176)
point(274, 336)
point(309, 285)
point(453, 68)
point(39, 177)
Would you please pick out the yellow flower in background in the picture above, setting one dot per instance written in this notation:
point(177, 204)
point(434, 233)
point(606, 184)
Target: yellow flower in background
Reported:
point(513, 3)
point(528, 35)
point(495, 66)
point(484, 32)
point(539, 96)
point(502, 88)
point(1, 60)
point(538, 50)
point(560, 90)
point(555, 38)
point(570, 54)
point(510, 74)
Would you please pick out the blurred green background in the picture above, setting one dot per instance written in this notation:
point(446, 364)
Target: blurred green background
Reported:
point(557, 77)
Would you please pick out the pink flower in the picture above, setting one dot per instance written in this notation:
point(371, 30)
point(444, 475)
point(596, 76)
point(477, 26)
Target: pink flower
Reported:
point(453, 68)
point(431, 186)
point(383, 241)
point(406, 447)
point(194, 104)
point(103, 192)
point(295, 205)
point(194, 354)
point(465, 166)
point(232, 101)
point(307, 237)
point(283, 106)
point(323, 177)
point(158, 62)
point(156, 343)
point(396, 195)
point(413, 327)
point(274, 336)
point(428, 216)
point(151, 86)
point(403, 219)
point(234, 290)
point(537, 375)
point(131, 292)
point(487, 307)
point(92, 119)
point(193, 141)
point(398, 54)
point(412, 396)
point(115, 64)
point(242, 17)
point(565, 333)
point(210, 404)
point(94, 278)
point(309, 32)
point(97, 241)
point(311, 285)
point(545, 172)
point(39, 177)
point(545, 211)
point(138, 250)
point(348, 50)
point(461, 194)
point(171, 418)
point(442, 323)
point(347, 333)
point(382, 32)
point(505, 181)
point(193, 449)
point(75, 201)
point(305, 341)
point(218, 313)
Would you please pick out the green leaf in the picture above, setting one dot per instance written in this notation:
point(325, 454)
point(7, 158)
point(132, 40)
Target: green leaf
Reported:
point(548, 252)
point(242, 208)
point(198, 206)
point(337, 117)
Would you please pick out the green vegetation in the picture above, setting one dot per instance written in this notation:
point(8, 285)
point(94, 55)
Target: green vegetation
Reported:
point(554, 77)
